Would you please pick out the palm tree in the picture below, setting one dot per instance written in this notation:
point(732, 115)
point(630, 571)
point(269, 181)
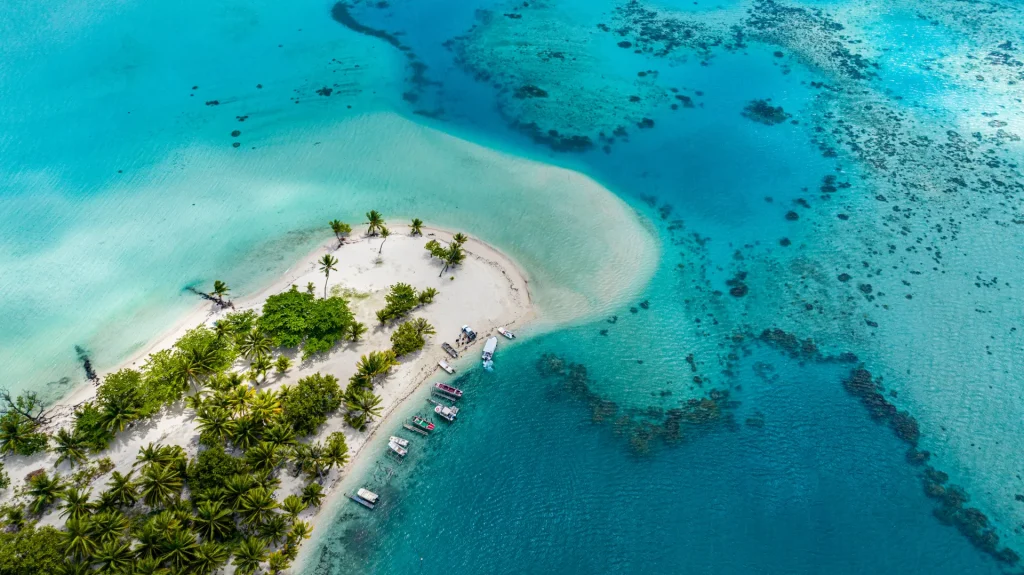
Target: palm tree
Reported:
point(426, 296)
point(109, 526)
point(340, 228)
point(69, 446)
point(313, 494)
point(238, 398)
point(255, 344)
point(148, 454)
point(263, 456)
point(384, 232)
point(150, 541)
point(453, 256)
point(327, 264)
point(160, 484)
point(417, 225)
point(208, 558)
point(373, 365)
point(220, 289)
point(122, 489)
point(44, 491)
point(376, 221)
point(149, 566)
point(15, 434)
point(257, 504)
point(78, 539)
point(264, 406)
point(215, 422)
point(113, 556)
point(235, 487)
point(260, 366)
point(293, 505)
point(246, 432)
point(460, 238)
point(117, 414)
point(222, 329)
point(422, 327)
point(278, 563)
point(213, 521)
point(363, 406)
point(300, 530)
point(274, 528)
point(250, 553)
point(280, 434)
point(179, 547)
point(76, 503)
point(195, 364)
point(310, 288)
point(77, 568)
point(356, 330)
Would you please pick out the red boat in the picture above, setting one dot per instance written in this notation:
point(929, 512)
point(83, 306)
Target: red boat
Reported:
point(448, 390)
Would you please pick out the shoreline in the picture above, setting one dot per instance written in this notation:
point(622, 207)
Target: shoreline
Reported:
point(368, 275)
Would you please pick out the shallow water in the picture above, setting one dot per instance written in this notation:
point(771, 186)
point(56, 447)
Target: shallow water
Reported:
point(896, 166)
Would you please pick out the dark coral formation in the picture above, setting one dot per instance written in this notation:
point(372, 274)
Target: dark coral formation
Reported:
point(530, 91)
point(642, 426)
point(762, 112)
point(661, 34)
point(83, 357)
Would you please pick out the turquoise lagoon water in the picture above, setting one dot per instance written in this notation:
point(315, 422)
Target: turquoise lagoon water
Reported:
point(776, 468)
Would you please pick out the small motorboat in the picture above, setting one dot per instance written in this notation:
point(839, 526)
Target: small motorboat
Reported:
point(399, 441)
point(422, 424)
point(506, 333)
point(447, 413)
point(444, 365)
point(488, 355)
point(365, 497)
point(397, 449)
point(448, 390)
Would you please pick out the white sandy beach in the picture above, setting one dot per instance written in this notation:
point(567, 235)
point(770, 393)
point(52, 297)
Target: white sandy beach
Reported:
point(488, 290)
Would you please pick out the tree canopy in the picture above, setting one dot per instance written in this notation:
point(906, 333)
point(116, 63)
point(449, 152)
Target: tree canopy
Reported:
point(294, 318)
point(306, 405)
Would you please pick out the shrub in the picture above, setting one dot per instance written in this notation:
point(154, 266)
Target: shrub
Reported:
point(307, 404)
point(31, 550)
point(294, 318)
point(406, 339)
point(89, 424)
point(209, 469)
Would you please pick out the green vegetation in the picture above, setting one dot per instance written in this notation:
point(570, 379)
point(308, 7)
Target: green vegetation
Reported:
point(451, 255)
point(293, 318)
point(401, 299)
point(340, 229)
point(417, 227)
point(27, 550)
point(371, 367)
point(282, 364)
point(384, 233)
point(376, 221)
point(305, 407)
point(220, 291)
point(327, 263)
point(363, 407)
point(409, 336)
point(19, 424)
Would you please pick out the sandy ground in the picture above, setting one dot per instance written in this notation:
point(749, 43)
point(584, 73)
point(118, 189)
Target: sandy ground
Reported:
point(488, 290)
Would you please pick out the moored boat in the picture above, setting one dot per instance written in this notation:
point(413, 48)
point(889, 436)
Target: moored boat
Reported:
point(447, 413)
point(444, 365)
point(448, 390)
point(449, 350)
point(506, 333)
point(489, 347)
point(422, 424)
point(399, 440)
point(397, 449)
point(364, 497)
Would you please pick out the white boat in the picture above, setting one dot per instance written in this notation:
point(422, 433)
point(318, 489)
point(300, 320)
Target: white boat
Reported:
point(489, 347)
point(398, 449)
point(400, 441)
point(447, 413)
point(444, 365)
point(506, 333)
point(367, 495)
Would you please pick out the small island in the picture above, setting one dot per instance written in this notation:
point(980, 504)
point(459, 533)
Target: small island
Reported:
point(217, 447)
